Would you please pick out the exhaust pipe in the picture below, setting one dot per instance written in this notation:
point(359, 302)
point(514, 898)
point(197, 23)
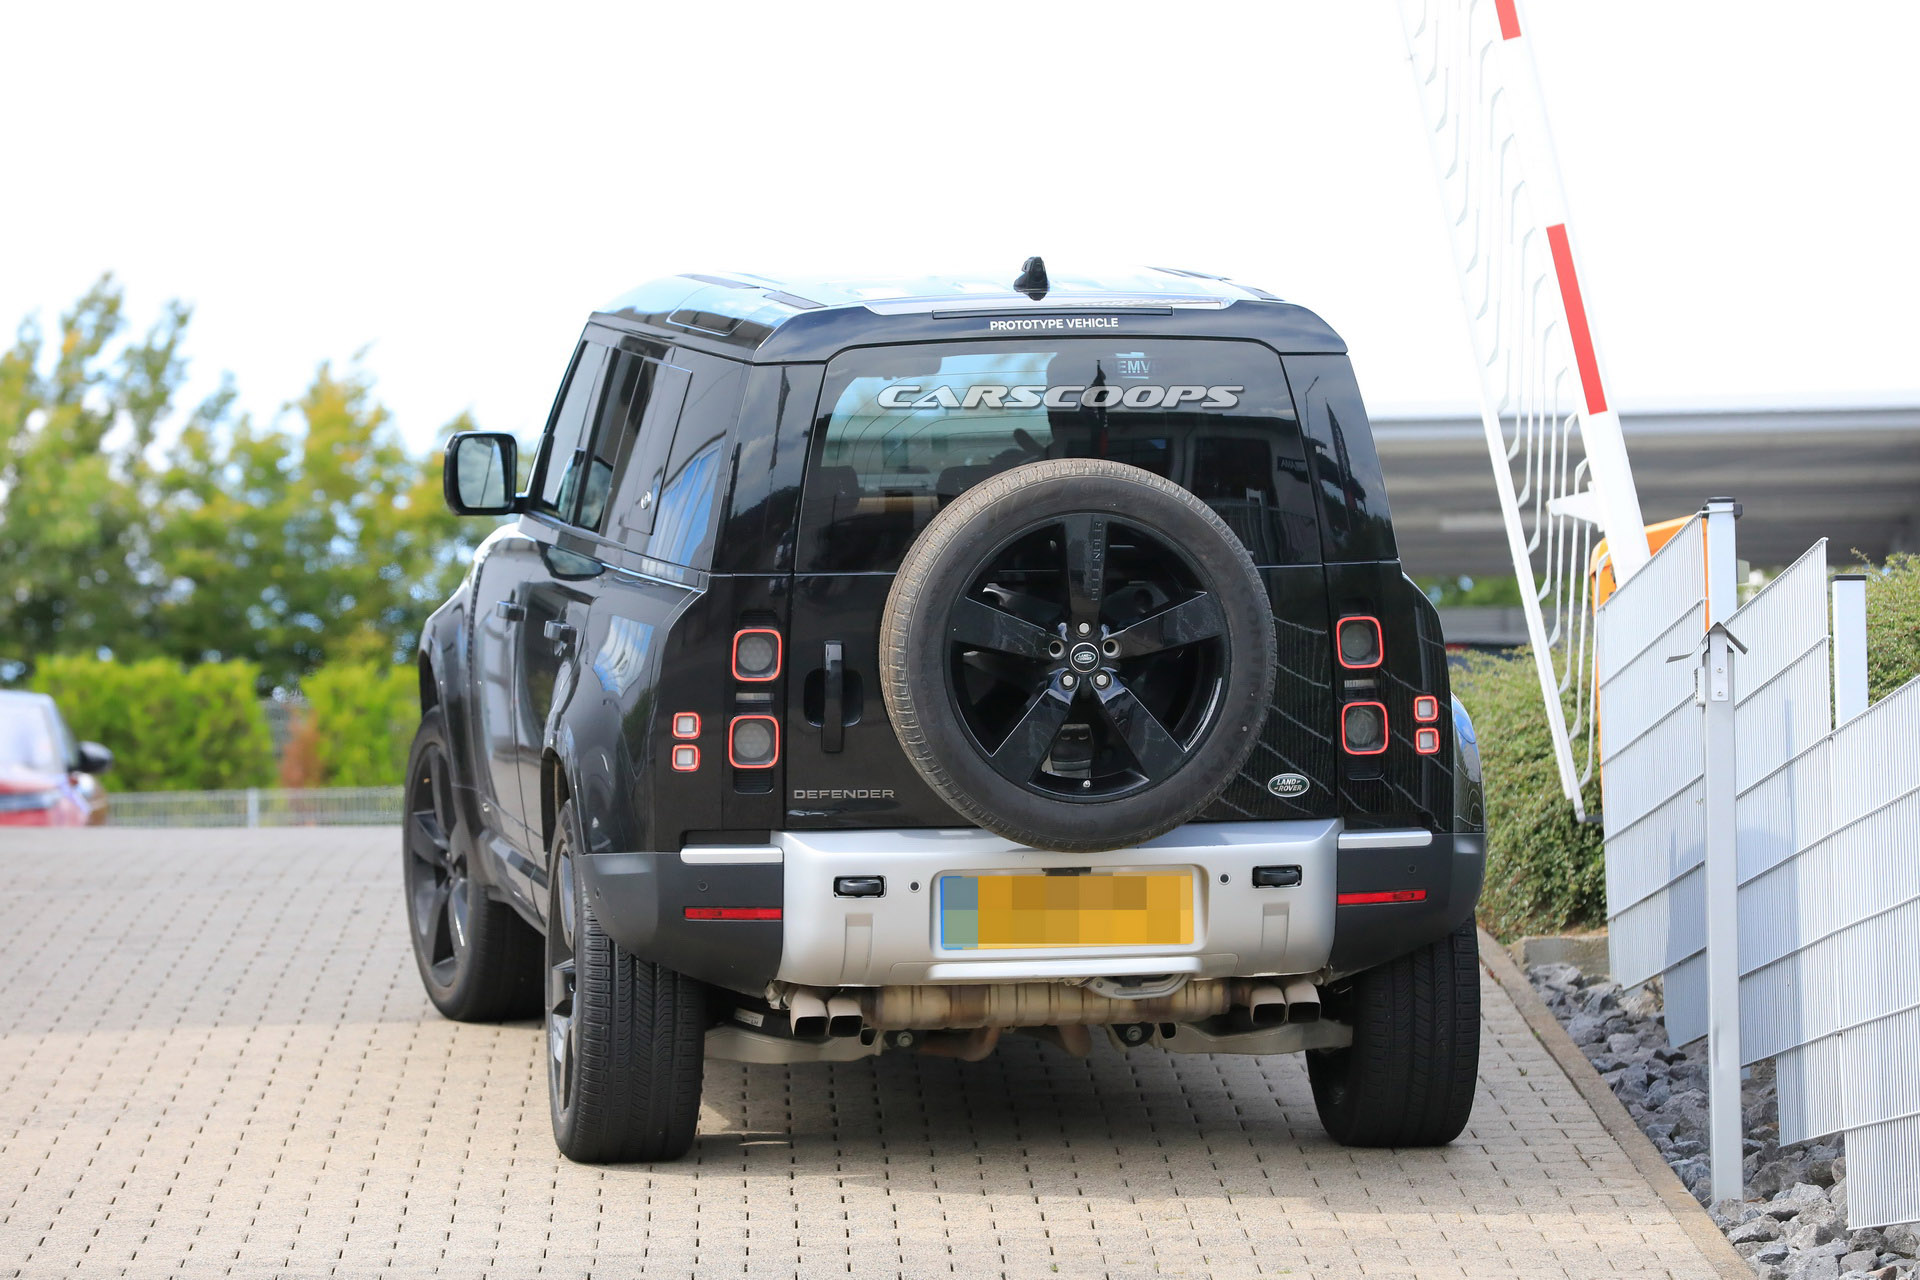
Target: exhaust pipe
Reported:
point(1303, 1001)
point(807, 1012)
point(1267, 1005)
point(843, 1016)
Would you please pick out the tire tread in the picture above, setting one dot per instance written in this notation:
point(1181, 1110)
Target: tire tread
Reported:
point(1408, 1079)
point(641, 1052)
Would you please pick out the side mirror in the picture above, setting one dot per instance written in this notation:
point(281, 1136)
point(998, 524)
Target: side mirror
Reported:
point(94, 758)
point(478, 474)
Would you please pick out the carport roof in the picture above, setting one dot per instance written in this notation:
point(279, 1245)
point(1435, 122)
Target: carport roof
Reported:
point(1849, 474)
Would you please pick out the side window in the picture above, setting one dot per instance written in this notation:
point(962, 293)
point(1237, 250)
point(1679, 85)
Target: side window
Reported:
point(699, 464)
point(640, 471)
point(563, 457)
point(629, 382)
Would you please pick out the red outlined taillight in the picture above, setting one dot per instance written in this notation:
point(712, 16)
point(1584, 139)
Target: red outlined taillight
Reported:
point(753, 742)
point(686, 724)
point(1426, 708)
point(731, 913)
point(1358, 642)
point(686, 757)
point(756, 655)
point(1426, 741)
point(1363, 728)
point(1371, 899)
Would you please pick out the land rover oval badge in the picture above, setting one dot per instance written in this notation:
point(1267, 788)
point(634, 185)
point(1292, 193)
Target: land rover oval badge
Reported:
point(1288, 785)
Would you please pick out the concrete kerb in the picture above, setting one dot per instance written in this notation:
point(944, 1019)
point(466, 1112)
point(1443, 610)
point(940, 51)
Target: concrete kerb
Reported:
point(1688, 1212)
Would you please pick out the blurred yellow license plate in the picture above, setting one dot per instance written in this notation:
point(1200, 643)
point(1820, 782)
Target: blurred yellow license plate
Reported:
point(984, 912)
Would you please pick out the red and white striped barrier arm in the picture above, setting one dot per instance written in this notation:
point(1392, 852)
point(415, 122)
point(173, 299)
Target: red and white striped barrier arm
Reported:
point(1616, 498)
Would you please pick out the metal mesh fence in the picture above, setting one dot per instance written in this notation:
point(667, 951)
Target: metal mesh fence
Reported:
point(257, 807)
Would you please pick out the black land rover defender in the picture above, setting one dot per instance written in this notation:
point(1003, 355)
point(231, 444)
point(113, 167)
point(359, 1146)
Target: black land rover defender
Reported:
point(894, 665)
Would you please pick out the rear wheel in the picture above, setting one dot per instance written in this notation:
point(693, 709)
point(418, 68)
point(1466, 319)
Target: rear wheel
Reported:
point(478, 960)
point(1408, 1078)
point(625, 1037)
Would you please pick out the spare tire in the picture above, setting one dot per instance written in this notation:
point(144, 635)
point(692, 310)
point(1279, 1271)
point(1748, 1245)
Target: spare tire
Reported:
point(1077, 655)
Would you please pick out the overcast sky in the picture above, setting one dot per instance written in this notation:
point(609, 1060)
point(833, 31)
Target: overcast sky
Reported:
point(455, 188)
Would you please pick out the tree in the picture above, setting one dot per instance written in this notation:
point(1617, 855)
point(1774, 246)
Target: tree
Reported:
point(316, 536)
point(74, 526)
point(293, 547)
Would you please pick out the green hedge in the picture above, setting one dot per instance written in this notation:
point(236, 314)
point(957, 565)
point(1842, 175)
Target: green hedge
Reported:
point(1893, 623)
point(170, 728)
point(1546, 873)
point(362, 717)
point(201, 728)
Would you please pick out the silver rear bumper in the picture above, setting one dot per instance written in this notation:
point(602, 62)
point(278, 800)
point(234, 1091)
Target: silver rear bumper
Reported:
point(892, 939)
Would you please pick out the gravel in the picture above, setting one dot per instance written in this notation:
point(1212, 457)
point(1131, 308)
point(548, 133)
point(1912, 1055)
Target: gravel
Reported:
point(1793, 1223)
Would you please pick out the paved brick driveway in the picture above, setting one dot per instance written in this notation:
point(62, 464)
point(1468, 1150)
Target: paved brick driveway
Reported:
point(215, 1059)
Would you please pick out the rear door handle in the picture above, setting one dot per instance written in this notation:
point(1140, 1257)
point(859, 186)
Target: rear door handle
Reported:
point(510, 611)
point(833, 720)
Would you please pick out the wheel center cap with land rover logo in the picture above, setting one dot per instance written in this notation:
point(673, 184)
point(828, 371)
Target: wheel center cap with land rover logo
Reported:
point(1288, 785)
point(1084, 657)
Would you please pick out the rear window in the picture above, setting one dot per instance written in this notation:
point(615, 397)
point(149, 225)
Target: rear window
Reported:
point(902, 431)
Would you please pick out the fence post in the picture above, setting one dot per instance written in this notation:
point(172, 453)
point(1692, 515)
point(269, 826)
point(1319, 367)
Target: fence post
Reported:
point(253, 806)
point(1720, 788)
point(1849, 647)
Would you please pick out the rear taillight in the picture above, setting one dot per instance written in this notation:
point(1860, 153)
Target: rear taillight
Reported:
point(686, 724)
point(1426, 738)
point(1359, 643)
point(686, 757)
point(756, 654)
point(1363, 728)
point(753, 742)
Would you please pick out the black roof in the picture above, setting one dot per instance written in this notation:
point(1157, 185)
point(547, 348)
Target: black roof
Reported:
point(771, 319)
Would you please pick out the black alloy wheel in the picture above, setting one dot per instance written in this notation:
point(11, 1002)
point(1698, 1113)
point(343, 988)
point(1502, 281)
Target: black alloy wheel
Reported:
point(1086, 659)
point(437, 889)
point(477, 958)
point(563, 1027)
point(1077, 654)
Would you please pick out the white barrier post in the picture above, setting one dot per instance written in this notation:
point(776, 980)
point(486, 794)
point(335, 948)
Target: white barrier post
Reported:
point(1849, 647)
point(1720, 788)
point(253, 806)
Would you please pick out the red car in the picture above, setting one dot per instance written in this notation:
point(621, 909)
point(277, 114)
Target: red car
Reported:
point(46, 778)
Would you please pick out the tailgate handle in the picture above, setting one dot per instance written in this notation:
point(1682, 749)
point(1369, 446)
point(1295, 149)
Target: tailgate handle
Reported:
point(1275, 877)
point(833, 724)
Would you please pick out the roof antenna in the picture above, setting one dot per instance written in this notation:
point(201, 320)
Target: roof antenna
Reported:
point(1032, 280)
